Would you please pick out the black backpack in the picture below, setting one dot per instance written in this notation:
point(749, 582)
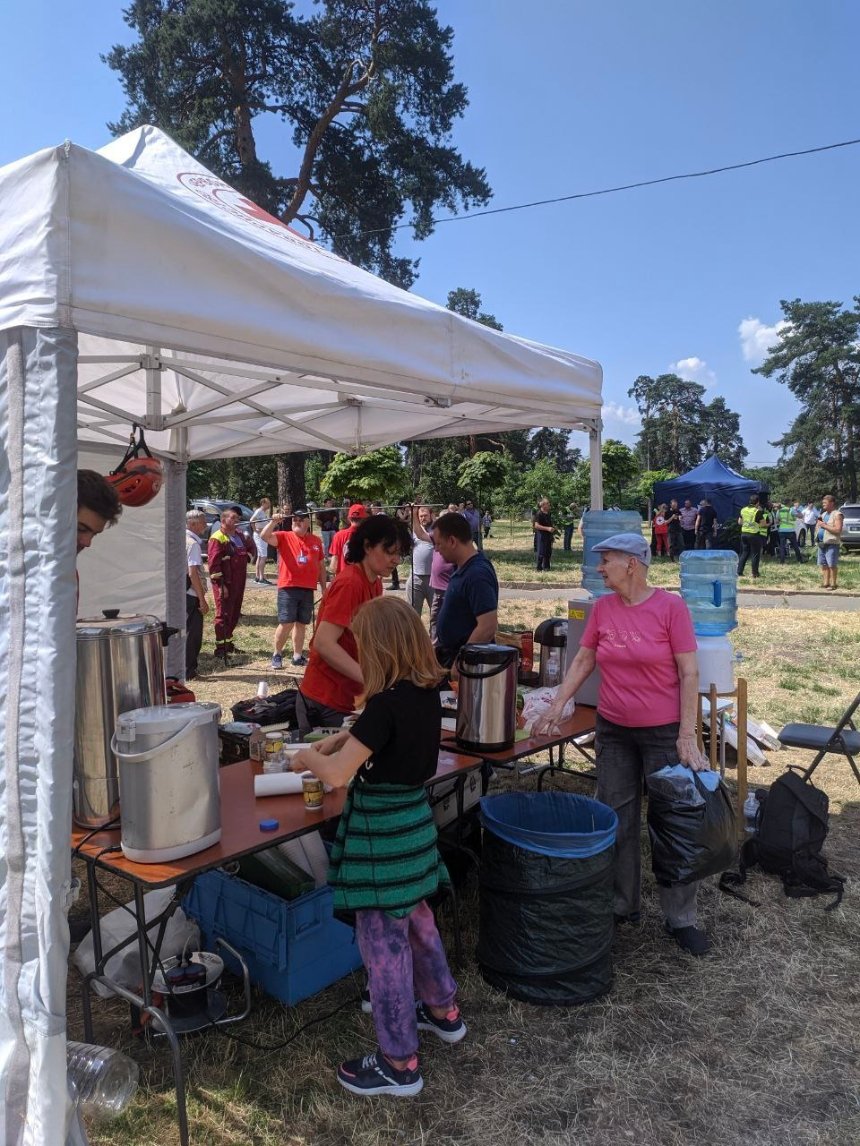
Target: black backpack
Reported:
point(279, 708)
point(791, 827)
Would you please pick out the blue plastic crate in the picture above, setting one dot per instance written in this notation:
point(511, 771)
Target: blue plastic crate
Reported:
point(293, 949)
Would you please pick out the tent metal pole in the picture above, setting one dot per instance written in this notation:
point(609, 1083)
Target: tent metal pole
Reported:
point(152, 370)
point(175, 565)
point(595, 457)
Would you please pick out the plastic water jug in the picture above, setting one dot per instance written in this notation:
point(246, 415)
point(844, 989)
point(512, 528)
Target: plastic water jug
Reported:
point(597, 525)
point(716, 662)
point(709, 585)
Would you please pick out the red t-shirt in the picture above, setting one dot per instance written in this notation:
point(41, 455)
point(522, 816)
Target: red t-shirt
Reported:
point(338, 544)
point(636, 647)
point(347, 592)
point(299, 567)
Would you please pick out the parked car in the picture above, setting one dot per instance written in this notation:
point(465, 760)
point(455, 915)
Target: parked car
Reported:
point(213, 508)
point(850, 527)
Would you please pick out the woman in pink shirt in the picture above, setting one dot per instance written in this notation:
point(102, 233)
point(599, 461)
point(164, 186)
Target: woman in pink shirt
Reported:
point(642, 641)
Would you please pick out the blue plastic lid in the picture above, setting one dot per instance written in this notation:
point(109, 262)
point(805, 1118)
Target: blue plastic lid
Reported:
point(269, 825)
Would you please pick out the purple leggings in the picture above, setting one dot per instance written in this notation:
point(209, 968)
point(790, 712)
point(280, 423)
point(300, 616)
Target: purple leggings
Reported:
point(405, 960)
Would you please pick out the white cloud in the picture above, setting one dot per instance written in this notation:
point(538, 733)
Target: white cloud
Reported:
point(626, 415)
point(694, 369)
point(757, 339)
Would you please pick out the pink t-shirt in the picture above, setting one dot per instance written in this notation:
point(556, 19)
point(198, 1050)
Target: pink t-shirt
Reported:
point(636, 647)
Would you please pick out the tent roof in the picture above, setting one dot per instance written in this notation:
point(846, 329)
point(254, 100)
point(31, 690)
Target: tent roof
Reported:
point(196, 310)
point(712, 472)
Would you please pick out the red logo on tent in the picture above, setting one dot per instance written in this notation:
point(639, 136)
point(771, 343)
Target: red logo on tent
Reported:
point(215, 191)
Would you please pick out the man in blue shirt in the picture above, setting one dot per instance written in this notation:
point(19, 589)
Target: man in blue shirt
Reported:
point(469, 612)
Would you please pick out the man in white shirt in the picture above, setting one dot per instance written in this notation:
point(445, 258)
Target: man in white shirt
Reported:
point(418, 588)
point(196, 605)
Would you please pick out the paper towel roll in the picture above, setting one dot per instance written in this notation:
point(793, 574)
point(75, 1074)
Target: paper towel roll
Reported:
point(278, 784)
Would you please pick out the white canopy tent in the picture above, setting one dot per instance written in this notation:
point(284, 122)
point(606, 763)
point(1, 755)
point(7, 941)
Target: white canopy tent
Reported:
point(135, 286)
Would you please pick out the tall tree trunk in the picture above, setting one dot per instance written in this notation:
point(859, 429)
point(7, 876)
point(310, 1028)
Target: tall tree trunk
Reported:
point(291, 480)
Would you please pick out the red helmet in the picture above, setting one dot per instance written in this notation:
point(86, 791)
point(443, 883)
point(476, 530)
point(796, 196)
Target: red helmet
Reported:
point(137, 479)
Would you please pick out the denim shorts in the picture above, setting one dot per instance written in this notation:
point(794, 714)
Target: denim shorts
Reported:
point(295, 605)
point(828, 555)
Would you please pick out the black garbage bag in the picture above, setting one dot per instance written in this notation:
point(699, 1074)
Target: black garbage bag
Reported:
point(691, 825)
point(546, 924)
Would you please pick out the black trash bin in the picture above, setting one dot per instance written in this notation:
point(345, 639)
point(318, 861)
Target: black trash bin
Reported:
point(546, 896)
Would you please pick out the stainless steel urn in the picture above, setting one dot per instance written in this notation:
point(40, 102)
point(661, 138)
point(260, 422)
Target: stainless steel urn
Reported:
point(169, 778)
point(120, 666)
point(487, 699)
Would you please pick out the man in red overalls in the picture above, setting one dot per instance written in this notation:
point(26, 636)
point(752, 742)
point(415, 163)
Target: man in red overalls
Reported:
point(228, 568)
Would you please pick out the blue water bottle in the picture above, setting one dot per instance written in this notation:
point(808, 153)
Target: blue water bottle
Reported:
point(597, 525)
point(709, 585)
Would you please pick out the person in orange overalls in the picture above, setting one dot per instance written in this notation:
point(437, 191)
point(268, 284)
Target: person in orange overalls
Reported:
point(228, 570)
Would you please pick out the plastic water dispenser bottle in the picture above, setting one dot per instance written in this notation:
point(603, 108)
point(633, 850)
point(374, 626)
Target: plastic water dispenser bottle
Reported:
point(709, 585)
point(597, 525)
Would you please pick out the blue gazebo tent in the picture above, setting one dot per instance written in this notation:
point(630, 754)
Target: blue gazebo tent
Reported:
point(726, 490)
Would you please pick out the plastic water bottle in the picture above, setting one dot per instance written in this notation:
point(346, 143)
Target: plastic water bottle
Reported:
point(553, 666)
point(597, 525)
point(751, 811)
point(103, 1079)
point(709, 585)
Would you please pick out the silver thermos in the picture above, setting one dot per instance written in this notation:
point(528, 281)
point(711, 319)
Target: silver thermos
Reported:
point(487, 698)
point(120, 666)
point(168, 768)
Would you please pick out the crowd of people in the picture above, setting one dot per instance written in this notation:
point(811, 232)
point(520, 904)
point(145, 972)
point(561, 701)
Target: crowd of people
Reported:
point(317, 580)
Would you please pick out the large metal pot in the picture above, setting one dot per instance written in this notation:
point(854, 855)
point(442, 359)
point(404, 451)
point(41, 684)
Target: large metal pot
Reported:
point(120, 666)
point(168, 774)
point(487, 699)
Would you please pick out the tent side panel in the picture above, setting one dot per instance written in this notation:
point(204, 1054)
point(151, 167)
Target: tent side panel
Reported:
point(38, 498)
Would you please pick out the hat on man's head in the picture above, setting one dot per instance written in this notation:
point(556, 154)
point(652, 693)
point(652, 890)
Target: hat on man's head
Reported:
point(301, 513)
point(357, 510)
point(632, 543)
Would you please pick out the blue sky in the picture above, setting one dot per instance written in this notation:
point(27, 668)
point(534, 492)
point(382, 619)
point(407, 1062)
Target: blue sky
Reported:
point(575, 97)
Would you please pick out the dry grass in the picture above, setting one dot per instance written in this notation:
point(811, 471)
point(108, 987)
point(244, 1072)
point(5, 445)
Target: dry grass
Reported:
point(754, 1046)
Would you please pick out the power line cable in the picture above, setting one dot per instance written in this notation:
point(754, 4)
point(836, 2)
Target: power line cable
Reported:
point(615, 190)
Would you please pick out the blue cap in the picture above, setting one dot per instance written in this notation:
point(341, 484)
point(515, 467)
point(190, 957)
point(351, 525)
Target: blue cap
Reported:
point(269, 825)
point(632, 543)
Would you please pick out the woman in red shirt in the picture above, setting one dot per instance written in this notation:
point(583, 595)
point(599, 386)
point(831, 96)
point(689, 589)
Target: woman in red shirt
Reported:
point(333, 678)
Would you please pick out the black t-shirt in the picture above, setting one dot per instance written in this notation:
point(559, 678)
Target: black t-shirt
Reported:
point(402, 727)
point(707, 517)
point(542, 519)
point(328, 519)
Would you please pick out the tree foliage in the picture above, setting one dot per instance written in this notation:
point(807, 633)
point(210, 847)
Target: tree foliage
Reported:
point(679, 429)
point(466, 301)
point(483, 472)
point(818, 358)
point(619, 468)
point(376, 474)
point(364, 93)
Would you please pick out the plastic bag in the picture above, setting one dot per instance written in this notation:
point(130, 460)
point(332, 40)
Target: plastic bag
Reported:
point(691, 825)
point(539, 701)
point(124, 967)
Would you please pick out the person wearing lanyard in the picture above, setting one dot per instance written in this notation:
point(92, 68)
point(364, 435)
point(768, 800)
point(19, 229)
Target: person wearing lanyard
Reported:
point(333, 678)
point(300, 570)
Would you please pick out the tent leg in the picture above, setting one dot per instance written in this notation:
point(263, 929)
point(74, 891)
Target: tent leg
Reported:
point(595, 457)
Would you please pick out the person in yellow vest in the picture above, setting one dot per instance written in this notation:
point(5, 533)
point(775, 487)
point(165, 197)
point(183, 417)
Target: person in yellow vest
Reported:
point(754, 526)
point(786, 520)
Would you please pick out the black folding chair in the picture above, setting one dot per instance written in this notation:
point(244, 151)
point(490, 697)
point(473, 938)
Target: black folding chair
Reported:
point(843, 740)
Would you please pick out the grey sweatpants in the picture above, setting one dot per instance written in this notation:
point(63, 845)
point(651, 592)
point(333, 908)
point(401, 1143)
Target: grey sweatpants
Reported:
point(625, 756)
point(418, 591)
